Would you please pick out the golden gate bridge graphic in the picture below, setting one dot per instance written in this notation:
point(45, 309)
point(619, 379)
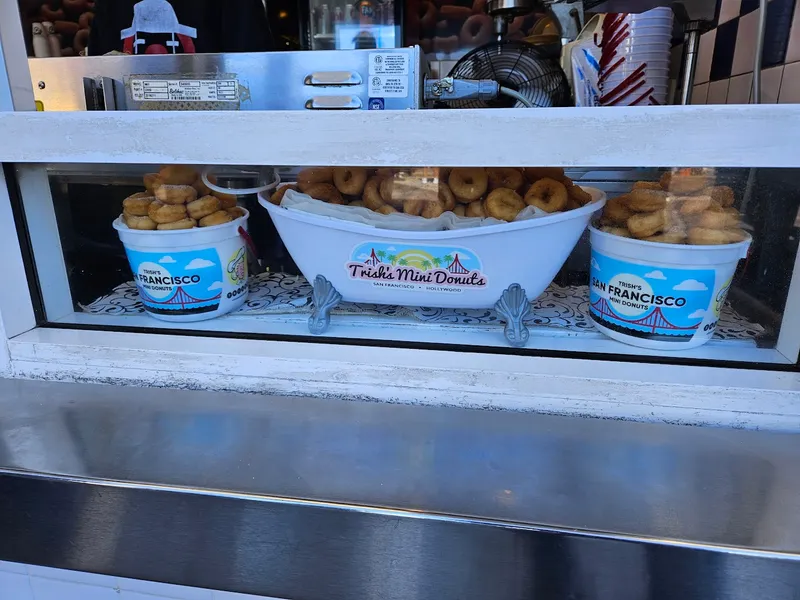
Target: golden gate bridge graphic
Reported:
point(655, 320)
point(454, 267)
point(180, 302)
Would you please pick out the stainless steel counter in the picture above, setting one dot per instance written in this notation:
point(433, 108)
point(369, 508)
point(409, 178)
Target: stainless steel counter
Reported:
point(314, 498)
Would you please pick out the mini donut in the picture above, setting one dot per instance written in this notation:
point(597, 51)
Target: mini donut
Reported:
point(390, 195)
point(202, 188)
point(446, 44)
point(620, 231)
point(644, 225)
point(455, 13)
point(178, 175)
point(326, 192)
point(722, 194)
point(468, 184)
point(478, 7)
point(692, 205)
point(237, 212)
point(215, 218)
point(504, 204)
point(385, 172)
point(151, 182)
point(446, 197)
point(431, 210)
point(350, 180)
point(307, 177)
point(137, 222)
point(711, 219)
point(616, 211)
point(476, 31)
point(48, 14)
point(505, 177)
point(736, 235)
point(427, 15)
point(413, 206)
point(547, 194)
point(460, 210)
point(685, 184)
point(226, 200)
point(166, 213)
point(668, 237)
point(372, 197)
point(175, 194)
point(386, 210)
point(280, 193)
point(358, 203)
point(702, 236)
point(80, 41)
point(202, 207)
point(182, 224)
point(578, 194)
point(85, 20)
point(647, 185)
point(137, 204)
point(642, 200)
point(475, 209)
point(535, 173)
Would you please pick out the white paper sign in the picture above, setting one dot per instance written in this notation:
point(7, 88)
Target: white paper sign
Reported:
point(388, 63)
point(388, 86)
point(185, 90)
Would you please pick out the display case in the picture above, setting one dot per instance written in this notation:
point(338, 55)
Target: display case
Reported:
point(453, 300)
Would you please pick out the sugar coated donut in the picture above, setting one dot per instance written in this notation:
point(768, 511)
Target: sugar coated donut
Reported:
point(314, 175)
point(166, 213)
point(679, 183)
point(216, 218)
point(468, 184)
point(137, 204)
point(703, 236)
point(668, 237)
point(722, 194)
point(643, 200)
point(202, 207)
point(446, 196)
point(692, 205)
point(350, 180)
point(386, 210)
point(578, 194)
point(712, 219)
point(390, 194)
point(475, 209)
point(325, 192)
point(202, 188)
point(237, 212)
point(182, 224)
point(505, 177)
point(460, 210)
point(644, 225)
point(547, 194)
point(504, 204)
point(151, 181)
point(137, 222)
point(620, 231)
point(280, 193)
point(175, 194)
point(616, 211)
point(178, 175)
point(226, 200)
point(372, 197)
point(476, 31)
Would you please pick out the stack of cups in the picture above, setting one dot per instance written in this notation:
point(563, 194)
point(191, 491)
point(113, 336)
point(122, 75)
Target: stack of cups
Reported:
point(634, 60)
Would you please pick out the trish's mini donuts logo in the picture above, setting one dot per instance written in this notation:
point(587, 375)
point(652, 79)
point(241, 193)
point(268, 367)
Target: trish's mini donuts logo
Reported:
point(415, 268)
point(237, 267)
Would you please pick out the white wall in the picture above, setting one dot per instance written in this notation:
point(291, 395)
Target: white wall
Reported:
point(28, 582)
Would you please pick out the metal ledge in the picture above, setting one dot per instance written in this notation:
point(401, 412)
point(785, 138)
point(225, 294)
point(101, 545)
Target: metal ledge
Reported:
point(313, 498)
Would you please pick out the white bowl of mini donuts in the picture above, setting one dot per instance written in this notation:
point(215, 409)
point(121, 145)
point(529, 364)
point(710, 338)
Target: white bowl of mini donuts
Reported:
point(186, 246)
point(663, 259)
point(450, 238)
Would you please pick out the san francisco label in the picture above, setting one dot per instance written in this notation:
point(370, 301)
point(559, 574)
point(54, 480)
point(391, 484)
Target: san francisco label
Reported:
point(651, 302)
point(415, 267)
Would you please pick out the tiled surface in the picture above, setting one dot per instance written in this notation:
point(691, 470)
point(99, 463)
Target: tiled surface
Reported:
point(30, 582)
point(739, 89)
point(790, 84)
point(727, 54)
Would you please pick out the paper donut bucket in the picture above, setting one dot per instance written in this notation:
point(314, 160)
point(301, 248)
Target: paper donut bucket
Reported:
point(659, 296)
point(189, 274)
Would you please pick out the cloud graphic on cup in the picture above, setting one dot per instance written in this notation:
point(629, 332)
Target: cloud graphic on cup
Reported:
point(167, 260)
point(199, 263)
point(655, 275)
point(217, 285)
point(363, 256)
point(698, 314)
point(691, 285)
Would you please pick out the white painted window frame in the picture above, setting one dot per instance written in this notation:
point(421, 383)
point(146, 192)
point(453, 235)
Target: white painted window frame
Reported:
point(662, 136)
